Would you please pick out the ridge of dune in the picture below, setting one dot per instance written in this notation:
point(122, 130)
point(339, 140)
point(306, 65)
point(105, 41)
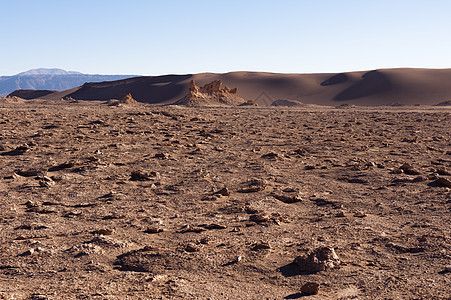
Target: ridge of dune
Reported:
point(407, 86)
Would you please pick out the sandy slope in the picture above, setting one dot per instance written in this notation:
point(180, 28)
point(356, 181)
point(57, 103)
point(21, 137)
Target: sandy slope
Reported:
point(377, 87)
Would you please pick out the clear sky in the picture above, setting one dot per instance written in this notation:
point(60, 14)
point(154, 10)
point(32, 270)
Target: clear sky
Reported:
point(166, 36)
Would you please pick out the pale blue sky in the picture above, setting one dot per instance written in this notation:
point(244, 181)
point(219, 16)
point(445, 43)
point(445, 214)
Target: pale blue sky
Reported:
point(160, 37)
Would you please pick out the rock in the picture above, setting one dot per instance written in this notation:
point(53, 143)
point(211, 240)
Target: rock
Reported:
point(150, 260)
point(126, 100)
point(45, 183)
point(409, 170)
point(370, 164)
point(287, 198)
point(448, 268)
point(29, 172)
point(360, 214)
point(154, 229)
point(340, 214)
point(253, 186)
point(259, 218)
point(189, 228)
point(247, 103)
point(28, 252)
point(442, 171)
point(144, 175)
point(21, 150)
point(107, 241)
point(444, 182)
point(271, 155)
point(38, 297)
point(210, 94)
point(261, 246)
point(103, 231)
point(419, 179)
point(223, 192)
point(161, 155)
point(214, 226)
point(191, 247)
point(319, 260)
point(310, 288)
point(433, 176)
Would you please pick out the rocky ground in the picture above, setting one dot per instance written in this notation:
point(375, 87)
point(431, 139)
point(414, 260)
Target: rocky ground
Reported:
point(145, 202)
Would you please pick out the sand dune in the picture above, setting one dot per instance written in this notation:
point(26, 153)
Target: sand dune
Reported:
point(376, 87)
point(31, 94)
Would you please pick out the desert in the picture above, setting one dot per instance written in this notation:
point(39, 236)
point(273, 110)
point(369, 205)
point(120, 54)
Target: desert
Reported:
point(125, 199)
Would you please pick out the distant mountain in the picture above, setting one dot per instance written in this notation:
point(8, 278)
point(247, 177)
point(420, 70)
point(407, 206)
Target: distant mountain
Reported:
point(51, 79)
point(43, 71)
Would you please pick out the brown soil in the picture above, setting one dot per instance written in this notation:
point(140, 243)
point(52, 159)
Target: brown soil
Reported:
point(145, 202)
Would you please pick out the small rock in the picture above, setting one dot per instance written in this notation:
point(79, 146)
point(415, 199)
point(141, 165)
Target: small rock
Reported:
point(448, 268)
point(259, 218)
point(340, 214)
point(191, 247)
point(21, 150)
point(46, 182)
point(30, 204)
point(408, 169)
point(310, 288)
point(154, 229)
point(360, 214)
point(161, 155)
point(66, 165)
point(38, 297)
point(319, 260)
point(271, 155)
point(210, 198)
point(253, 186)
point(103, 231)
point(28, 252)
point(419, 179)
point(442, 182)
point(433, 176)
point(287, 198)
point(223, 192)
point(261, 246)
point(189, 228)
point(214, 226)
point(205, 240)
point(144, 175)
point(443, 172)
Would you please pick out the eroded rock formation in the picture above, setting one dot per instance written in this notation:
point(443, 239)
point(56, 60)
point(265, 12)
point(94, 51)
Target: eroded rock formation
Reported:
point(210, 94)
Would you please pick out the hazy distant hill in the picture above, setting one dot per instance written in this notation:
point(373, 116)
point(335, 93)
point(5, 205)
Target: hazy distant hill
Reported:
point(50, 79)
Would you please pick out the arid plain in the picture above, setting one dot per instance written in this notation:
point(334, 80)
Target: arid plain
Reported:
point(174, 202)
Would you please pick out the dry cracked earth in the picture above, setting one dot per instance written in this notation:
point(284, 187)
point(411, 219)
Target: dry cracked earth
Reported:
point(146, 202)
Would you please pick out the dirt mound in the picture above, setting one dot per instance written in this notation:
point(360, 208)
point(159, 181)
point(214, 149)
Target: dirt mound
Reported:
point(210, 94)
point(284, 102)
point(444, 103)
point(127, 100)
point(11, 99)
point(31, 94)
